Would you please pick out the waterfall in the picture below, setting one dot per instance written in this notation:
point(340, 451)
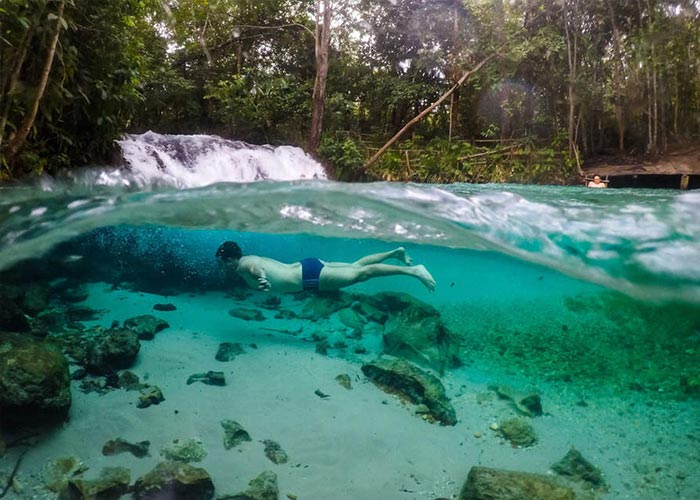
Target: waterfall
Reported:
point(190, 161)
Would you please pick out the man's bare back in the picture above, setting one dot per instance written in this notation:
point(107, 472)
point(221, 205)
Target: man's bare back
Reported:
point(267, 274)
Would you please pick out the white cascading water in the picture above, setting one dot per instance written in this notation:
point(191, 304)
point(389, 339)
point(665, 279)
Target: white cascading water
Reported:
point(189, 161)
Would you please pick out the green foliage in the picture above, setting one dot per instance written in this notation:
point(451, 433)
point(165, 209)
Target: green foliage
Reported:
point(93, 88)
point(246, 68)
point(344, 155)
point(443, 161)
point(259, 107)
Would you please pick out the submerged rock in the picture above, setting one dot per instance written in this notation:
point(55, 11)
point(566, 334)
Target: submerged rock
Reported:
point(528, 404)
point(352, 319)
point(191, 450)
point(112, 350)
point(274, 452)
point(12, 318)
point(397, 376)
point(112, 483)
point(574, 466)
point(484, 483)
point(344, 380)
point(129, 381)
point(322, 305)
point(247, 314)
point(209, 378)
point(150, 395)
point(415, 331)
point(36, 298)
point(228, 351)
point(263, 487)
point(58, 472)
point(34, 381)
point(164, 307)
point(174, 480)
point(234, 434)
point(78, 293)
point(518, 432)
point(146, 326)
point(119, 445)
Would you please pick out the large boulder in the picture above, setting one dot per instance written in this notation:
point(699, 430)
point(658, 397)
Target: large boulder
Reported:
point(174, 481)
point(112, 350)
point(410, 383)
point(415, 331)
point(34, 381)
point(485, 483)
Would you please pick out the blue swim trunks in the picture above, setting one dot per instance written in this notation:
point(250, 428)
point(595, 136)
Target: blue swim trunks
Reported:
point(310, 272)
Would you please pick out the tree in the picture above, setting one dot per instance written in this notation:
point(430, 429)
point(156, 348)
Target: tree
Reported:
point(17, 138)
point(321, 46)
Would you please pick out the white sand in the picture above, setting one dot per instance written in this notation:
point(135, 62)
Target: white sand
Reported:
point(358, 444)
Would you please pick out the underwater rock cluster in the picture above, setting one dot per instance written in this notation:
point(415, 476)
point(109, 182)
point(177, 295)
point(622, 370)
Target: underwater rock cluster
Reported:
point(34, 381)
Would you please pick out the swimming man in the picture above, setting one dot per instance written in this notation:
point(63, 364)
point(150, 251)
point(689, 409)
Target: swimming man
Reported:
point(314, 274)
point(597, 182)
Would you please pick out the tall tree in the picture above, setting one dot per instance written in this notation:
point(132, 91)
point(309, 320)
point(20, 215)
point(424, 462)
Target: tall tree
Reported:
point(321, 46)
point(16, 139)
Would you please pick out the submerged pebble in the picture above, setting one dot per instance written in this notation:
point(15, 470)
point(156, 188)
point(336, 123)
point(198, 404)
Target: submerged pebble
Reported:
point(164, 307)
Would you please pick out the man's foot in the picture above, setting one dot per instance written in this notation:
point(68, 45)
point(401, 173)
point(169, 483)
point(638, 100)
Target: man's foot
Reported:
point(402, 255)
point(426, 278)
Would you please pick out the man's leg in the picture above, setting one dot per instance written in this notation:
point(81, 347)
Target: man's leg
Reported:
point(334, 277)
point(397, 253)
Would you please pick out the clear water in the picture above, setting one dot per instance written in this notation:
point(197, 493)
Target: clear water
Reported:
point(590, 298)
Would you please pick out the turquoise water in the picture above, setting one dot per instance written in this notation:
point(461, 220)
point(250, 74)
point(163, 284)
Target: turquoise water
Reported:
point(590, 298)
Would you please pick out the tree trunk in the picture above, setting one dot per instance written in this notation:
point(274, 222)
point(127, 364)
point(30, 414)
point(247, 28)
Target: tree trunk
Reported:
point(427, 110)
point(17, 141)
point(323, 36)
point(454, 70)
point(618, 79)
point(572, 58)
point(10, 82)
point(503, 92)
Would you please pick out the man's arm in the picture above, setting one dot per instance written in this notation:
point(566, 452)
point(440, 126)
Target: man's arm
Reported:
point(254, 268)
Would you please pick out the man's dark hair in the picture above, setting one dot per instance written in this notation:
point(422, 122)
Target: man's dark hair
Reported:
point(229, 250)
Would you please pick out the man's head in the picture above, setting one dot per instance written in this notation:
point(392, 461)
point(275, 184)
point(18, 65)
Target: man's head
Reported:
point(229, 251)
point(596, 179)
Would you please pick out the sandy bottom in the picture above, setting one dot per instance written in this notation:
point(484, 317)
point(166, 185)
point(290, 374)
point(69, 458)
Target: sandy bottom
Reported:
point(356, 444)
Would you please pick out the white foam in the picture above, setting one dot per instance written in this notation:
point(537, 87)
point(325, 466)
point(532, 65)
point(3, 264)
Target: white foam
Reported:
point(187, 161)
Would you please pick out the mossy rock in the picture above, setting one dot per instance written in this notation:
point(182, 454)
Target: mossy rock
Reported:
point(190, 450)
point(112, 350)
point(416, 332)
point(263, 487)
point(34, 381)
point(174, 480)
point(113, 483)
point(146, 326)
point(484, 483)
point(518, 432)
point(574, 466)
point(412, 384)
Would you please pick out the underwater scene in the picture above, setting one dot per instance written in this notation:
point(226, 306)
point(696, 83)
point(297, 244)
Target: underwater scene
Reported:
point(556, 358)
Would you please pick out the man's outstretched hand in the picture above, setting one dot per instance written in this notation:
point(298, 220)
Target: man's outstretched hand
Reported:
point(263, 284)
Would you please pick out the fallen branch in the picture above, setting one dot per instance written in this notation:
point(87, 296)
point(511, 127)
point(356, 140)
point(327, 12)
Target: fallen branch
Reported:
point(11, 479)
point(427, 110)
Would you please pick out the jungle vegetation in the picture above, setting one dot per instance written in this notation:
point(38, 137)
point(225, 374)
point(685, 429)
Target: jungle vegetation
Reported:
point(536, 86)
